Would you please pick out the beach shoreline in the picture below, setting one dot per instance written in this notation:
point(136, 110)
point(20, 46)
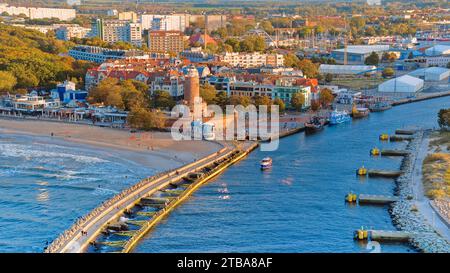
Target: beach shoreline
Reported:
point(154, 150)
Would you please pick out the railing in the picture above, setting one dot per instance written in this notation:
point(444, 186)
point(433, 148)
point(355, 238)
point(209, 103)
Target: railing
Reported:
point(106, 206)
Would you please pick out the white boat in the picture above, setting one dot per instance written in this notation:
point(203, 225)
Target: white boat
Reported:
point(338, 117)
point(266, 163)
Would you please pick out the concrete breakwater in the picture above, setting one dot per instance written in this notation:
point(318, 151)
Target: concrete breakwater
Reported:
point(404, 212)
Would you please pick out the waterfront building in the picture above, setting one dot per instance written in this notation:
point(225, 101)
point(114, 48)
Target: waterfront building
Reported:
point(438, 50)
point(31, 104)
point(66, 92)
point(254, 59)
point(113, 31)
point(100, 55)
point(357, 54)
point(405, 85)
point(166, 41)
point(39, 13)
point(431, 73)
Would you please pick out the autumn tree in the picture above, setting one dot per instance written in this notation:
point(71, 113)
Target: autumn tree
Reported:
point(208, 93)
point(326, 97)
point(7, 81)
point(162, 99)
point(297, 101)
point(280, 103)
point(145, 119)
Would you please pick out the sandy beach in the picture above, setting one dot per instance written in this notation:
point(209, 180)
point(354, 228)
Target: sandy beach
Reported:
point(156, 150)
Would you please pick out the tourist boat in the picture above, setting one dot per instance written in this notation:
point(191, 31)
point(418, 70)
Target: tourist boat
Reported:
point(266, 163)
point(316, 124)
point(360, 112)
point(338, 117)
point(380, 106)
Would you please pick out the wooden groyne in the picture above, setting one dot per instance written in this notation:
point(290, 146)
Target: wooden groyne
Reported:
point(394, 138)
point(394, 153)
point(376, 199)
point(388, 235)
point(405, 132)
point(384, 173)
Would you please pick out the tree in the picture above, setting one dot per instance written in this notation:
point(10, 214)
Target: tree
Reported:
point(262, 100)
point(308, 68)
point(7, 81)
point(444, 118)
point(372, 59)
point(162, 99)
point(280, 103)
point(290, 60)
point(240, 100)
point(222, 99)
point(298, 100)
point(144, 119)
point(388, 72)
point(208, 93)
point(326, 97)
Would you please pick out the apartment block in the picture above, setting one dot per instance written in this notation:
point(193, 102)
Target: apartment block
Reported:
point(113, 31)
point(166, 41)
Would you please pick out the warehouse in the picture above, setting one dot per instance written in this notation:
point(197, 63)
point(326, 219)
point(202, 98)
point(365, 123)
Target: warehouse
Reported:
point(357, 54)
point(431, 73)
point(405, 84)
point(346, 69)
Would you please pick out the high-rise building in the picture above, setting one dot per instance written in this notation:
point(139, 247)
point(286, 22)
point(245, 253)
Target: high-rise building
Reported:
point(128, 16)
point(177, 22)
point(39, 13)
point(166, 41)
point(191, 86)
point(113, 31)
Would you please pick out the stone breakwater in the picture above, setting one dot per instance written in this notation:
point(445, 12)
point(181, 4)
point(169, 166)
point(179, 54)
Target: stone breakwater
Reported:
point(404, 212)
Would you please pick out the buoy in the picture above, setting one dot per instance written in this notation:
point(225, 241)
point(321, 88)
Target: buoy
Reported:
point(365, 234)
point(384, 137)
point(350, 198)
point(361, 171)
point(360, 234)
point(375, 151)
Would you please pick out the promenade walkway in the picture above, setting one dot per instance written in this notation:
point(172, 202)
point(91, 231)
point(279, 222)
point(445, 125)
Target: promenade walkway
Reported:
point(77, 238)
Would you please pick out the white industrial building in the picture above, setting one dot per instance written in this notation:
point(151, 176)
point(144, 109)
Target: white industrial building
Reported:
point(431, 73)
point(346, 69)
point(405, 84)
point(438, 50)
point(39, 13)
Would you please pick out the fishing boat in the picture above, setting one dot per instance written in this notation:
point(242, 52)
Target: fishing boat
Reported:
point(266, 163)
point(314, 125)
point(380, 106)
point(360, 112)
point(338, 117)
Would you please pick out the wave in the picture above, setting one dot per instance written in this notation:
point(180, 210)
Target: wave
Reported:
point(29, 152)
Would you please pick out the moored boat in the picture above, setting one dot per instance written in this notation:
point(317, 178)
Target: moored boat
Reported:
point(360, 112)
point(338, 117)
point(266, 163)
point(380, 106)
point(316, 124)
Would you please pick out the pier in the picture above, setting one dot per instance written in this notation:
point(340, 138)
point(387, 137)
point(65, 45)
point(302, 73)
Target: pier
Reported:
point(107, 215)
point(400, 138)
